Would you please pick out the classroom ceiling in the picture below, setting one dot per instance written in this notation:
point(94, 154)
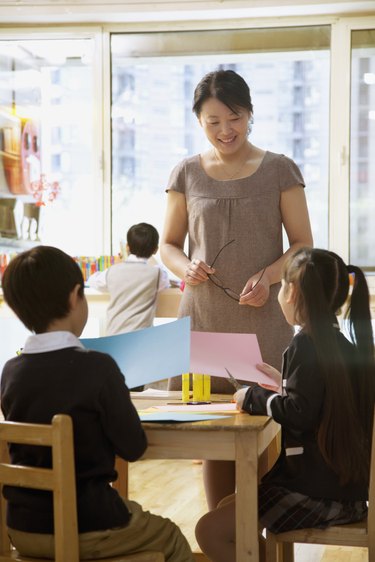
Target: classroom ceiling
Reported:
point(117, 11)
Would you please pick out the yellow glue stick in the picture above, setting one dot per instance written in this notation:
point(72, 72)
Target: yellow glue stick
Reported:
point(197, 387)
point(185, 396)
point(206, 388)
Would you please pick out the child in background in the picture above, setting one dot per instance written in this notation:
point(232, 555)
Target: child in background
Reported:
point(325, 408)
point(54, 374)
point(133, 284)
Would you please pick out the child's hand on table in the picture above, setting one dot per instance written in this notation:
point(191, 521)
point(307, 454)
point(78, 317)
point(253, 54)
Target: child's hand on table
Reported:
point(239, 397)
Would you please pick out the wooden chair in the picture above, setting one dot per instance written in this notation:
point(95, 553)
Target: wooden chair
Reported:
point(60, 479)
point(279, 547)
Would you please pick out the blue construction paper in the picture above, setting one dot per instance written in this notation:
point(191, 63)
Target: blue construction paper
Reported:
point(179, 417)
point(148, 355)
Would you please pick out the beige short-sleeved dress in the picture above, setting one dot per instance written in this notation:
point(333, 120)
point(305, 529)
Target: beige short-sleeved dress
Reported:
point(248, 211)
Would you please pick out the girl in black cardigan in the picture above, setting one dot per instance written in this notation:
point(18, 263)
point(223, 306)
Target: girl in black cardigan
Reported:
point(324, 403)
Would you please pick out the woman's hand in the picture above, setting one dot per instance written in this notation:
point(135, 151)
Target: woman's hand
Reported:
point(257, 290)
point(197, 272)
point(273, 374)
point(239, 397)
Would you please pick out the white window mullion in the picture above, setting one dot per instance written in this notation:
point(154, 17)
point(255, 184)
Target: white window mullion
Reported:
point(98, 145)
point(106, 154)
point(339, 139)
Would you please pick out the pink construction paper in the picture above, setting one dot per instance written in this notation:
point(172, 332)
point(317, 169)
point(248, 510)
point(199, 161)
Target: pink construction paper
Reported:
point(211, 352)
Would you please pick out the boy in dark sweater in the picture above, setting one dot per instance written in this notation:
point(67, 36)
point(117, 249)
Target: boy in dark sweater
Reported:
point(54, 374)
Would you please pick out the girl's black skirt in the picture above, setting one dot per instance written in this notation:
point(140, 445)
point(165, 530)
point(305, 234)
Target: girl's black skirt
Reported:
point(283, 510)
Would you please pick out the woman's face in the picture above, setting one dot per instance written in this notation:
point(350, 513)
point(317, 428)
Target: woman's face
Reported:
point(226, 131)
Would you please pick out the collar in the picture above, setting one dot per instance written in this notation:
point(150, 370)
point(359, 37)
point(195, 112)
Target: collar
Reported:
point(133, 258)
point(335, 324)
point(50, 341)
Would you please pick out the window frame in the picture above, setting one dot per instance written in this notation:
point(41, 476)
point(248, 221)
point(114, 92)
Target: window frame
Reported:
point(339, 165)
point(340, 87)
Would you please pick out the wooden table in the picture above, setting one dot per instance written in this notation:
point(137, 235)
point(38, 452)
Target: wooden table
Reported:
point(238, 437)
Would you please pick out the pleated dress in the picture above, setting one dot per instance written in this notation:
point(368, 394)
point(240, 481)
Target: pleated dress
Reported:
point(245, 210)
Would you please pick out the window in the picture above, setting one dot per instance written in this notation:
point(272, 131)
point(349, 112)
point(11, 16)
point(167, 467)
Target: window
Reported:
point(46, 123)
point(362, 163)
point(153, 79)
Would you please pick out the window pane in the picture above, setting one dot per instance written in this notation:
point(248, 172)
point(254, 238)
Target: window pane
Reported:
point(362, 150)
point(153, 127)
point(46, 128)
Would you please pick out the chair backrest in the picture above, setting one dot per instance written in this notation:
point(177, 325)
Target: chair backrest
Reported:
point(60, 479)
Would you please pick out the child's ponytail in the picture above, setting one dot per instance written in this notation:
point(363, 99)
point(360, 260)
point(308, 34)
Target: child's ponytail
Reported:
point(361, 333)
point(359, 315)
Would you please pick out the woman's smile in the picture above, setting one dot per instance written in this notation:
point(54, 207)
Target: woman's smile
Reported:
point(229, 140)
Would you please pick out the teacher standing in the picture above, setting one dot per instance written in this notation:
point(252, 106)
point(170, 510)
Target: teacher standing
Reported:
point(235, 197)
point(232, 202)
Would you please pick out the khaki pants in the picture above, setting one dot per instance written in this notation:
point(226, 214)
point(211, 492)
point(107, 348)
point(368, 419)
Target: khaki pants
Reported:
point(145, 531)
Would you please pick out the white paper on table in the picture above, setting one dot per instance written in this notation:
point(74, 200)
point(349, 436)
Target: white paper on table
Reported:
point(215, 407)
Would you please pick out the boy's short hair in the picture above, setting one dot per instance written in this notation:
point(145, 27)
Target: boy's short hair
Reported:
point(143, 240)
point(37, 284)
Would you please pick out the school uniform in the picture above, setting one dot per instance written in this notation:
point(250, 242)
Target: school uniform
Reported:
point(301, 469)
point(55, 374)
point(133, 286)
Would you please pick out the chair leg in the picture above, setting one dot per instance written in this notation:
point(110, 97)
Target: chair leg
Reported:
point(272, 548)
point(287, 552)
point(277, 551)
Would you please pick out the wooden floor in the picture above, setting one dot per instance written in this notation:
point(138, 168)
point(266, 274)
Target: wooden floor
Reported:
point(174, 489)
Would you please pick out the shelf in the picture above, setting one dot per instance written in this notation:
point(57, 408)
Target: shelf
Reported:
point(16, 244)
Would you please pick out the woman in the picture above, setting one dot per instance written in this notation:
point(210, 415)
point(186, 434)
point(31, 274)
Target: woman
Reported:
point(232, 202)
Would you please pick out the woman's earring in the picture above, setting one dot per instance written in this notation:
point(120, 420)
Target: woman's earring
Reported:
point(249, 125)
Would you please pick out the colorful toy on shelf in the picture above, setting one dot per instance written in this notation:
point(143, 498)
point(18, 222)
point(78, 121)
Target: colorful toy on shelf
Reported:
point(44, 191)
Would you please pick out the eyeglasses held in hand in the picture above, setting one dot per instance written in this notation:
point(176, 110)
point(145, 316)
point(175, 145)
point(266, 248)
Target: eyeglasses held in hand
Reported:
point(220, 284)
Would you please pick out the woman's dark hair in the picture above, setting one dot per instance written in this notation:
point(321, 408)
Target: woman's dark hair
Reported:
point(143, 240)
point(225, 85)
point(321, 281)
point(37, 284)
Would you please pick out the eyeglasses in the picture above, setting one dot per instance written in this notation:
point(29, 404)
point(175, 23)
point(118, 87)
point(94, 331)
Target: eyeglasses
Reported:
point(220, 284)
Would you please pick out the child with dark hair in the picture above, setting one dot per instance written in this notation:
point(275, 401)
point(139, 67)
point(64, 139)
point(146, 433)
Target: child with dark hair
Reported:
point(133, 284)
point(325, 406)
point(55, 374)
point(142, 240)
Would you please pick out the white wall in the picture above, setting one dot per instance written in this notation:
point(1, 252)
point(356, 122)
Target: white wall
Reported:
point(94, 11)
